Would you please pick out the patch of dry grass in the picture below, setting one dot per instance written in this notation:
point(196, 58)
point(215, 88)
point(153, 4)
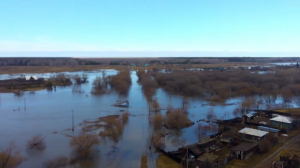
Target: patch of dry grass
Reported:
point(163, 161)
point(144, 161)
point(288, 110)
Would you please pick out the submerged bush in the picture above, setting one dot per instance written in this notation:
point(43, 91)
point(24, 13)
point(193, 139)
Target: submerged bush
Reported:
point(177, 119)
point(82, 145)
point(120, 82)
point(218, 86)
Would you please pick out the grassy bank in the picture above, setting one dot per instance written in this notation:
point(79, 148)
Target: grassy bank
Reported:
point(164, 162)
point(288, 110)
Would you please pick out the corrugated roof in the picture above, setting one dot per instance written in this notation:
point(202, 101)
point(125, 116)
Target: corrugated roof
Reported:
point(281, 119)
point(254, 132)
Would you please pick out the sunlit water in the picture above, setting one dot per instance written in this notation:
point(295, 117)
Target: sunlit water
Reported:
point(48, 112)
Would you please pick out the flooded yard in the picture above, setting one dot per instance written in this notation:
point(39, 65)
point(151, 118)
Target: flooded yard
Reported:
point(49, 113)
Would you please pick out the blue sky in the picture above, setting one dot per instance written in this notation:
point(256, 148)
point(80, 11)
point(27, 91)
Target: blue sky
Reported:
point(150, 28)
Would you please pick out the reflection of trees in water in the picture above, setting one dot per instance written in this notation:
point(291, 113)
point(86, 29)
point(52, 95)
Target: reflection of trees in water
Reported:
point(198, 131)
point(19, 94)
point(76, 88)
point(175, 138)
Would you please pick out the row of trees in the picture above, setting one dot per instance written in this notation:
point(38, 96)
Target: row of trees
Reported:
point(80, 79)
point(219, 86)
point(120, 82)
point(149, 85)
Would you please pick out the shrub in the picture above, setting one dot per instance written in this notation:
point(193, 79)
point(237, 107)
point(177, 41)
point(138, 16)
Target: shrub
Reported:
point(36, 142)
point(82, 145)
point(177, 119)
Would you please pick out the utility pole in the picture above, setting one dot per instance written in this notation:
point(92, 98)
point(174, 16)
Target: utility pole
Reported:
point(73, 120)
point(187, 157)
point(25, 103)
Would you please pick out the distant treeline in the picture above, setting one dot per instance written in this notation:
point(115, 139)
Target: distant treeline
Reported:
point(46, 62)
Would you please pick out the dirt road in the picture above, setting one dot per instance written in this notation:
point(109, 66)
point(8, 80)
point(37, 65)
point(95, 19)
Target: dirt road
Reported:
point(267, 162)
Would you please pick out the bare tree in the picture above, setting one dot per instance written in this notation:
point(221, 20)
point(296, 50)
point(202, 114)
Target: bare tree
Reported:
point(80, 79)
point(98, 86)
point(177, 119)
point(286, 95)
point(125, 118)
point(210, 115)
point(176, 138)
point(158, 141)
point(264, 146)
point(157, 121)
point(37, 142)
point(198, 131)
point(155, 105)
point(83, 144)
point(9, 157)
point(113, 129)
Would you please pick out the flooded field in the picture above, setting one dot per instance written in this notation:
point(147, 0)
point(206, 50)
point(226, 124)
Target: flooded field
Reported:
point(50, 113)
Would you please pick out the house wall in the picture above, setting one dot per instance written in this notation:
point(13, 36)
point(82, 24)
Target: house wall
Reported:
point(281, 125)
point(251, 138)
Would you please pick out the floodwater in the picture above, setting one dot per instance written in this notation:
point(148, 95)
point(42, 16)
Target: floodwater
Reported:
point(48, 112)
point(284, 63)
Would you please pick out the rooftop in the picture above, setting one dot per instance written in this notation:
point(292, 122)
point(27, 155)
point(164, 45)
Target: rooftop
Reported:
point(268, 129)
point(282, 119)
point(28, 77)
point(249, 115)
point(244, 146)
point(254, 132)
point(208, 157)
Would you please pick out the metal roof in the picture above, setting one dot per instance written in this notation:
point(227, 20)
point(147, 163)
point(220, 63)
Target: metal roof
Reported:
point(254, 132)
point(268, 129)
point(281, 119)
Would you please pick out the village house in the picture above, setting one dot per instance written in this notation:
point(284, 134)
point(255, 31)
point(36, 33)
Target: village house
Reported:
point(252, 135)
point(249, 116)
point(208, 144)
point(31, 78)
point(279, 164)
point(281, 122)
point(287, 160)
point(227, 140)
point(244, 150)
point(208, 160)
point(270, 130)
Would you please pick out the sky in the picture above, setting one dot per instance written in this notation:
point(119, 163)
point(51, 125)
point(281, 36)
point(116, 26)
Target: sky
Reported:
point(111, 28)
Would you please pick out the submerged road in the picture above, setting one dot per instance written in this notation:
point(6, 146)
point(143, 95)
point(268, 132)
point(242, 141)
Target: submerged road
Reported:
point(267, 162)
